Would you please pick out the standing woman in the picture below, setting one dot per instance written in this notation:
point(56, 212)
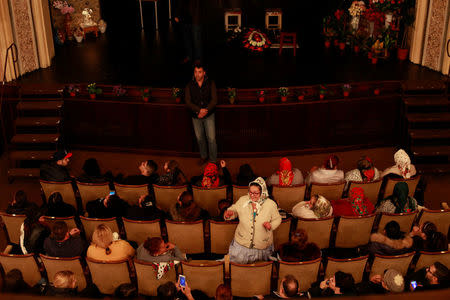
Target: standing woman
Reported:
point(258, 218)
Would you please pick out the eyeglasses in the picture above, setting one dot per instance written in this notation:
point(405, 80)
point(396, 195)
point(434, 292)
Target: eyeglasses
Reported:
point(429, 271)
point(254, 194)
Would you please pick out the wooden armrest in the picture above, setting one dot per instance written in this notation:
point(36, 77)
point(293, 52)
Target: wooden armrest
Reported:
point(7, 249)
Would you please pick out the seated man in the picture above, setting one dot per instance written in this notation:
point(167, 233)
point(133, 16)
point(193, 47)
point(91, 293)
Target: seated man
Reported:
point(390, 282)
point(148, 174)
point(339, 284)
point(64, 243)
point(56, 170)
point(146, 210)
point(108, 207)
point(435, 276)
point(288, 289)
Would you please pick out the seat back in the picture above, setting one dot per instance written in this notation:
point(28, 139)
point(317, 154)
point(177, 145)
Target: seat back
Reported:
point(353, 232)
point(107, 276)
point(146, 278)
point(441, 218)
point(405, 220)
point(92, 191)
point(139, 231)
point(25, 263)
point(64, 188)
point(90, 224)
point(426, 259)
point(398, 262)
point(288, 196)
point(208, 199)
point(391, 182)
point(319, 230)
point(329, 191)
point(70, 221)
point(131, 193)
point(251, 279)
point(55, 264)
point(354, 266)
point(305, 272)
point(222, 233)
point(13, 224)
point(166, 196)
point(187, 236)
point(281, 234)
point(205, 276)
point(238, 192)
point(371, 189)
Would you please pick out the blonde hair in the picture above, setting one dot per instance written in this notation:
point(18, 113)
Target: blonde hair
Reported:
point(103, 237)
point(64, 280)
point(322, 207)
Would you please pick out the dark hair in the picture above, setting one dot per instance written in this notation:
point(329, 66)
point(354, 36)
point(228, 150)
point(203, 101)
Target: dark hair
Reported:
point(344, 281)
point(223, 292)
point(301, 235)
point(126, 290)
point(223, 205)
point(256, 184)
point(55, 197)
point(115, 204)
point(436, 241)
point(290, 286)
point(393, 232)
point(184, 199)
point(152, 165)
point(14, 282)
point(167, 291)
point(20, 198)
point(199, 295)
point(199, 65)
point(441, 273)
point(245, 175)
point(31, 221)
point(59, 230)
point(331, 162)
point(152, 245)
point(91, 167)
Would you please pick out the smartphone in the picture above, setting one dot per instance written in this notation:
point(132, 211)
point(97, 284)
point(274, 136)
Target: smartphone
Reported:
point(414, 285)
point(112, 193)
point(182, 280)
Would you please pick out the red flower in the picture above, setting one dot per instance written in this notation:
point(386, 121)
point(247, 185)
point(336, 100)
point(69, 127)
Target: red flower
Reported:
point(381, 1)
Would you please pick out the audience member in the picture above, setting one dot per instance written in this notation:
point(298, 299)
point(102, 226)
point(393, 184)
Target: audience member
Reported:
point(108, 207)
point(65, 285)
point(286, 175)
point(56, 170)
point(391, 241)
point(223, 292)
point(340, 284)
point(172, 174)
point(402, 168)
point(364, 172)
point(126, 291)
point(56, 207)
point(19, 204)
point(105, 247)
point(328, 173)
point(317, 207)
point(356, 205)
point(211, 177)
point(427, 238)
point(399, 201)
point(157, 251)
point(223, 206)
point(186, 210)
point(253, 239)
point(14, 283)
point(435, 276)
point(33, 232)
point(64, 243)
point(298, 249)
point(391, 281)
point(185, 290)
point(167, 291)
point(91, 172)
point(146, 210)
point(147, 175)
point(245, 175)
point(288, 289)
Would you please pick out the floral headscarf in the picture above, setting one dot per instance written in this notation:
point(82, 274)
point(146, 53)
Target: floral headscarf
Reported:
point(210, 176)
point(357, 199)
point(264, 193)
point(285, 173)
point(403, 163)
point(322, 207)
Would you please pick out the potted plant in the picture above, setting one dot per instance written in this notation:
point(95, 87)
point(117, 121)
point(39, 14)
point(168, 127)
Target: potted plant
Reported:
point(323, 89)
point(145, 93)
point(346, 88)
point(283, 92)
point(376, 91)
point(119, 91)
point(72, 90)
point(78, 34)
point(377, 50)
point(176, 93)
point(231, 94)
point(93, 90)
point(407, 12)
point(301, 95)
point(261, 96)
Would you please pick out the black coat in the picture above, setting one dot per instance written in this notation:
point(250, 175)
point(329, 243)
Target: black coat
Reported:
point(74, 246)
point(54, 172)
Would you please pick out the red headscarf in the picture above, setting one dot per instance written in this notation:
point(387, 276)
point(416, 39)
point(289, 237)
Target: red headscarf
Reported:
point(370, 173)
point(360, 203)
point(285, 173)
point(210, 176)
point(331, 162)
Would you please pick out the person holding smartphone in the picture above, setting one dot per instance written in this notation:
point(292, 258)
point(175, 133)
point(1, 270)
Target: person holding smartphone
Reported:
point(183, 286)
point(108, 207)
point(435, 276)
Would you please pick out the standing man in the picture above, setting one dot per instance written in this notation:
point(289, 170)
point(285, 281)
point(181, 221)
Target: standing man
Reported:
point(201, 98)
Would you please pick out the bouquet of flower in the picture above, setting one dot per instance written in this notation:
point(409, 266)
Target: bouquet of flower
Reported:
point(255, 40)
point(283, 91)
point(323, 90)
point(72, 90)
point(119, 91)
point(231, 92)
point(93, 89)
point(387, 5)
point(357, 8)
point(346, 87)
point(145, 92)
point(176, 92)
point(63, 6)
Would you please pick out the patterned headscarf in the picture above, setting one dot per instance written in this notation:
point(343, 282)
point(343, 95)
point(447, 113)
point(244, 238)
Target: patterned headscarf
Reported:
point(264, 193)
point(400, 197)
point(322, 207)
point(285, 173)
point(357, 199)
point(210, 176)
point(403, 163)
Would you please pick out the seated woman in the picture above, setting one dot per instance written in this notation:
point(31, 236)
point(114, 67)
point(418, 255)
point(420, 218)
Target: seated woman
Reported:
point(328, 173)
point(298, 249)
point(286, 175)
point(13, 283)
point(339, 284)
point(317, 207)
point(91, 172)
point(399, 201)
point(365, 171)
point(211, 177)
point(156, 250)
point(56, 207)
point(186, 210)
point(172, 174)
point(391, 241)
point(245, 175)
point(402, 168)
point(428, 238)
point(19, 204)
point(33, 232)
point(356, 205)
point(106, 248)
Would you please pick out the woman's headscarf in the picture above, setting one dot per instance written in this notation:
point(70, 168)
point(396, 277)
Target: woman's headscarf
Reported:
point(285, 173)
point(357, 199)
point(322, 207)
point(210, 176)
point(331, 162)
point(403, 163)
point(400, 197)
point(365, 167)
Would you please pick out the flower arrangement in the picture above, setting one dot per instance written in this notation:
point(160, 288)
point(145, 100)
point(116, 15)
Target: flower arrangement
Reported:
point(323, 90)
point(387, 5)
point(93, 90)
point(301, 95)
point(72, 90)
point(176, 93)
point(261, 95)
point(346, 88)
point(283, 92)
point(231, 94)
point(63, 7)
point(119, 91)
point(145, 93)
point(255, 40)
point(357, 8)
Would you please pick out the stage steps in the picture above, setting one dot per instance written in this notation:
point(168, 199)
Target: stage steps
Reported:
point(37, 133)
point(427, 117)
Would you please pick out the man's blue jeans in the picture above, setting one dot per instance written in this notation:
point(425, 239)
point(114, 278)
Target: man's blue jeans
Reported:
point(206, 125)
